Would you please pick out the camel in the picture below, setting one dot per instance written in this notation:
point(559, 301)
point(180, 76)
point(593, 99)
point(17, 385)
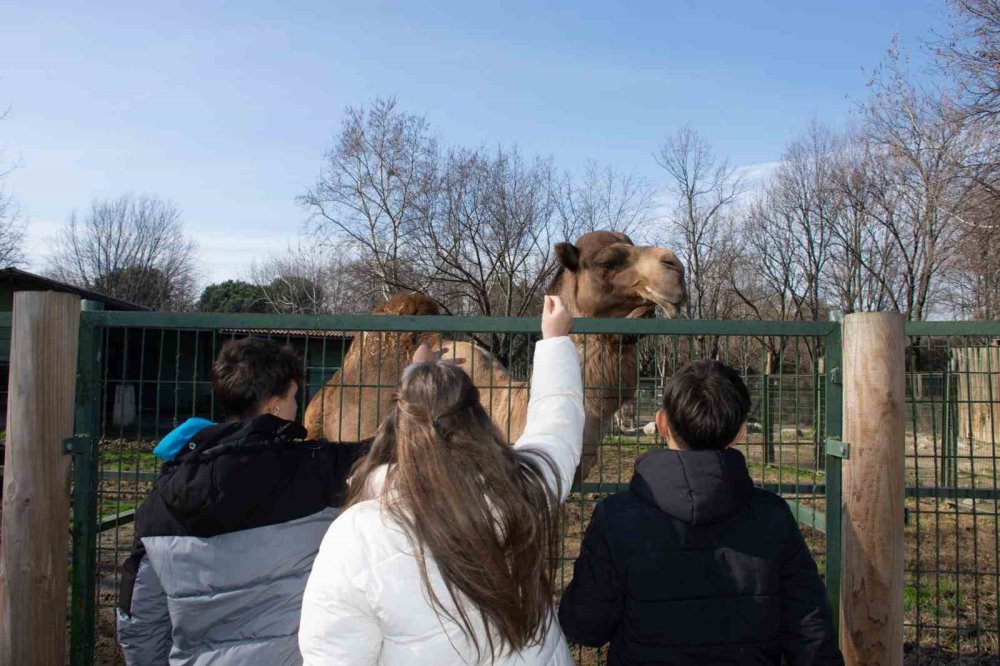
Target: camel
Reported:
point(604, 274)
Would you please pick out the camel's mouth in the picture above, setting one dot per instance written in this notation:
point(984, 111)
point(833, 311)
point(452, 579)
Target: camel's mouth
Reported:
point(671, 305)
point(645, 311)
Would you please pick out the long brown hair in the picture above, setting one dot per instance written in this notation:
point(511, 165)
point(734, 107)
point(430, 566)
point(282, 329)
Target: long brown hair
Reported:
point(483, 510)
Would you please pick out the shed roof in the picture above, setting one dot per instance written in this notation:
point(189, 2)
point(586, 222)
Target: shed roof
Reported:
point(19, 280)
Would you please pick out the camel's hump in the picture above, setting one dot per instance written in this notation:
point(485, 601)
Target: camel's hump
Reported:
point(408, 304)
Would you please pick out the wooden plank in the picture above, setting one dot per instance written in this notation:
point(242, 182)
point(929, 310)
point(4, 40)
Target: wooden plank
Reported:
point(977, 375)
point(871, 616)
point(34, 547)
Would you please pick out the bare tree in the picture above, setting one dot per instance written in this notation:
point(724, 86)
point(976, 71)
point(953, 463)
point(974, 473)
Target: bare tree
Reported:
point(12, 226)
point(917, 187)
point(971, 56)
point(312, 279)
point(376, 189)
point(808, 204)
point(864, 273)
point(133, 248)
point(971, 53)
point(787, 232)
point(768, 279)
point(704, 190)
point(605, 199)
point(488, 250)
point(472, 228)
point(12, 223)
point(975, 293)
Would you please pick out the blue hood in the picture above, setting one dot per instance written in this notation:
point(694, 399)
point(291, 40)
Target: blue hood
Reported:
point(170, 446)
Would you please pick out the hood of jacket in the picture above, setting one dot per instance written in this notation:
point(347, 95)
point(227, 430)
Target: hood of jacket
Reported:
point(696, 487)
point(226, 472)
point(178, 438)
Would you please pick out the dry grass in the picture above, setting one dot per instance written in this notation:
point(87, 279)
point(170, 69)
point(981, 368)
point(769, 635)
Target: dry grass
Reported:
point(952, 586)
point(115, 496)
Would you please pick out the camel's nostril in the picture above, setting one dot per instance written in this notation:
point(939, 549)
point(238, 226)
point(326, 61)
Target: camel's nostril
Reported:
point(672, 264)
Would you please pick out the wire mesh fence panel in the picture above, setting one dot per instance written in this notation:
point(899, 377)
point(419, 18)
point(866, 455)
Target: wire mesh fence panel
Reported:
point(952, 580)
point(156, 372)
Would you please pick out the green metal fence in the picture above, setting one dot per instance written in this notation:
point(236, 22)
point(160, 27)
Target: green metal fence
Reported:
point(142, 373)
point(952, 579)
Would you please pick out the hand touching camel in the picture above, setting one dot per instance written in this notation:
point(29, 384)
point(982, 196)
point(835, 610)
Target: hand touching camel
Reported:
point(425, 354)
point(556, 319)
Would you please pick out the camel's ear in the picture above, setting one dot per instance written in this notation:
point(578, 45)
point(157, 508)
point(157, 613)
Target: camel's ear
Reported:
point(568, 256)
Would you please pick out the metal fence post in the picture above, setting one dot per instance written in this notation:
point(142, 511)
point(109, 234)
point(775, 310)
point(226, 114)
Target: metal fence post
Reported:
point(951, 434)
point(767, 409)
point(85, 467)
point(833, 396)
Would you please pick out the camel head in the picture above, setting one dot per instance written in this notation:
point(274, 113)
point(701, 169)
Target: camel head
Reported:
point(604, 274)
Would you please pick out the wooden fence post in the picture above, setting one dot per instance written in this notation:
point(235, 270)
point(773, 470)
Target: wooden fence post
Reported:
point(871, 616)
point(34, 546)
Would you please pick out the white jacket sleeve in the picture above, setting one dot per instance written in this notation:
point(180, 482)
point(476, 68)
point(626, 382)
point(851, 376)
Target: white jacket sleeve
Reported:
point(338, 624)
point(555, 409)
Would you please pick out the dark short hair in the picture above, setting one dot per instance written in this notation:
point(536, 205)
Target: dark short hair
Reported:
point(250, 371)
point(707, 403)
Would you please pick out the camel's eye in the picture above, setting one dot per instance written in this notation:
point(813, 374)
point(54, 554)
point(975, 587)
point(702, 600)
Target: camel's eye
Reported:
point(611, 258)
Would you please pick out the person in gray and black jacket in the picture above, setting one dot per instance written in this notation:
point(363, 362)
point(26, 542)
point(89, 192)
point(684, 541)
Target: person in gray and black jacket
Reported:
point(226, 539)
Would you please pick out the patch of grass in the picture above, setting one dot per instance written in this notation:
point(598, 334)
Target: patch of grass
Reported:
point(642, 441)
point(129, 461)
point(110, 505)
point(951, 586)
point(935, 595)
point(785, 474)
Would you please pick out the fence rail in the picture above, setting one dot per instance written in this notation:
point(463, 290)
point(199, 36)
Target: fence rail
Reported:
point(452, 324)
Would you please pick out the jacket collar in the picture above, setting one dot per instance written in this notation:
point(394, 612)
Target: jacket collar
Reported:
point(199, 486)
point(376, 483)
point(696, 487)
point(227, 436)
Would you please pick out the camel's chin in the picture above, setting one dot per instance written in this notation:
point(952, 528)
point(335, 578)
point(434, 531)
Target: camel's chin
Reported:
point(669, 305)
point(672, 311)
point(645, 311)
point(648, 310)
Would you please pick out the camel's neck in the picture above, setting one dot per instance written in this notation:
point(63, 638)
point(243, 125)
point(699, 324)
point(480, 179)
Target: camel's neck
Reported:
point(565, 288)
point(609, 367)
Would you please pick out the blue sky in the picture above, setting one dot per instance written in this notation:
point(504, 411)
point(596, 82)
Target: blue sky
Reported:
point(226, 108)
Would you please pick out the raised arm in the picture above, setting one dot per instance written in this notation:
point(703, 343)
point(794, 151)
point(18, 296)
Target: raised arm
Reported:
point(555, 420)
point(333, 462)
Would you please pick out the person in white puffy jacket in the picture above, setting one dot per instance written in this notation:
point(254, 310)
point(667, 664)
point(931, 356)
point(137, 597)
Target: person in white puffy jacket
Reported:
point(447, 552)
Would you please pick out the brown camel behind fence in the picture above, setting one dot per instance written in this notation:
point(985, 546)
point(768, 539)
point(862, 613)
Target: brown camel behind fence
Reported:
point(603, 275)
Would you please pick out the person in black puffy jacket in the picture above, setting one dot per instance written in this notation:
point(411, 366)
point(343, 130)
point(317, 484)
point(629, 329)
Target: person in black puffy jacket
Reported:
point(693, 564)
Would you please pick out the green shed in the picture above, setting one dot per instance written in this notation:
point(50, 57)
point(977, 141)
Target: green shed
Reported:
point(13, 280)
